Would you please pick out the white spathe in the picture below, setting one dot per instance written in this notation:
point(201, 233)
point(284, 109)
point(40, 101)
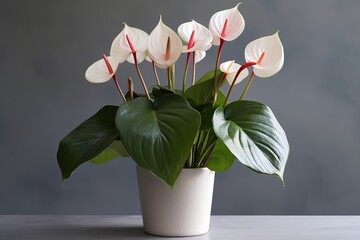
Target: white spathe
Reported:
point(182, 211)
point(98, 72)
point(230, 68)
point(234, 26)
point(273, 55)
point(199, 55)
point(201, 40)
point(158, 45)
point(121, 49)
point(202, 36)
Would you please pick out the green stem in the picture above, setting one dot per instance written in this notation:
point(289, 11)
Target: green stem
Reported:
point(247, 85)
point(185, 72)
point(155, 73)
point(140, 75)
point(189, 162)
point(196, 146)
point(200, 149)
point(208, 158)
point(172, 70)
point(194, 69)
point(221, 83)
point(217, 66)
point(169, 77)
point(206, 153)
point(131, 88)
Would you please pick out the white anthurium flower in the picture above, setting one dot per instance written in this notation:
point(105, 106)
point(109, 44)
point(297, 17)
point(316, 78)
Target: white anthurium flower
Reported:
point(227, 25)
point(103, 70)
point(128, 41)
point(230, 68)
point(164, 46)
point(199, 55)
point(147, 57)
point(196, 36)
point(140, 56)
point(268, 53)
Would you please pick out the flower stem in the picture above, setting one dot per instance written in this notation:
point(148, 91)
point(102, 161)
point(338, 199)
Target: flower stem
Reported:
point(189, 162)
point(131, 88)
point(194, 69)
point(247, 85)
point(217, 66)
point(169, 77)
point(221, 83)
point(208, 158)
point(172, 69)
point(185, 71)
point(111, 71)
point(245, 65)
point(155, 73)
point(119, 88)
point(140, 75)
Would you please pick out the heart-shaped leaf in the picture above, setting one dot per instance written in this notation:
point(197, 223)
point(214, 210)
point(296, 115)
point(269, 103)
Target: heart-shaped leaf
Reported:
point(160, 90)
point(159, 135)
point(207, 111)
point(203, 90)
point(200, 97)
point(252, 133)
point(115, 150)
point(87, 141)
point(221, 158)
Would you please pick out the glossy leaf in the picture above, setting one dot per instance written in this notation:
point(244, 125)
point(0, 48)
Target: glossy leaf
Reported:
point(136, 95)
point(221, 158)
point(159, 135)
point(202, 92)
point(207, 111)
point(252, 133)
point(210, 76)
point(160, 90)
point(115, 150)
point(87, 141)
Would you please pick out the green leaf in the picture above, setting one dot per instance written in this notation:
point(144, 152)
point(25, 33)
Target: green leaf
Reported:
point(136, 95)
point(115, 150)
point(252, 133)
point(210, 75)
point(207, 111)
point(160, 90)
point(200, 97)
point(159, 135)
point(202, 91)
point(87, 141)
point(221, 158)
point(220, 99)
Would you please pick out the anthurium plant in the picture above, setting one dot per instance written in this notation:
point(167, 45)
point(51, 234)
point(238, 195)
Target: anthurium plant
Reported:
point(164, 129)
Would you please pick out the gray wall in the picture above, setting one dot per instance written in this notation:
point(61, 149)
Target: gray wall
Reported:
point(46, 47)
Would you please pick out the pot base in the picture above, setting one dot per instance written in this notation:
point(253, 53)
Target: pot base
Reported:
point(183, 211)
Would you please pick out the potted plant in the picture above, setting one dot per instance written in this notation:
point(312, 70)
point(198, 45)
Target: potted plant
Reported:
point(180, 137)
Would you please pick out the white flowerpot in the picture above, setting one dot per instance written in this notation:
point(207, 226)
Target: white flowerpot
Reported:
point(183, 211)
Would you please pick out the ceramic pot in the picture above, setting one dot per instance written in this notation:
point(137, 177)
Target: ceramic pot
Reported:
point(182, 211)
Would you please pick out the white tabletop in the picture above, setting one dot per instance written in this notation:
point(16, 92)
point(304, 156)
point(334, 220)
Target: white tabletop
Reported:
point(222, 227)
